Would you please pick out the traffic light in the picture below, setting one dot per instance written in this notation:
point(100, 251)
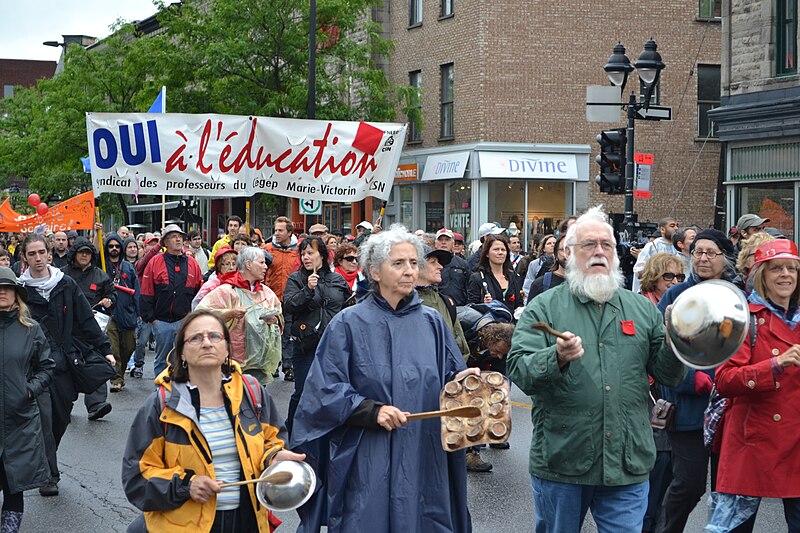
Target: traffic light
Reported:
point(612, 161)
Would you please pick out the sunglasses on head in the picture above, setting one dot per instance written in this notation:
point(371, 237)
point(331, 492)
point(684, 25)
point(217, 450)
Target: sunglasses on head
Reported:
point(669, 276)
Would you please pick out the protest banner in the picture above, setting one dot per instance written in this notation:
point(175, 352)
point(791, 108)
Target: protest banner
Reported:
point(225, 155)
point(75, 213)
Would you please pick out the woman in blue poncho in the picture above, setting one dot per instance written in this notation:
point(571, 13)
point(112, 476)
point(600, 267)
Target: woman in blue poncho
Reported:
point(377, 361)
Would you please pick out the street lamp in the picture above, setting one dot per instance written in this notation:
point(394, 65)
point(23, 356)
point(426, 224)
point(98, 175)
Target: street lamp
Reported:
point(649, 67)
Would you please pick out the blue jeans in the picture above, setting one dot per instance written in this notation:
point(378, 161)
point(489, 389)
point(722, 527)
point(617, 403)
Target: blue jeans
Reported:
point(561, 507)
point(165, 340)
point(729, 511)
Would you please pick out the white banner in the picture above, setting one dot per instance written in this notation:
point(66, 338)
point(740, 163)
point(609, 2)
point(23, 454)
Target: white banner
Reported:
point(226, 155)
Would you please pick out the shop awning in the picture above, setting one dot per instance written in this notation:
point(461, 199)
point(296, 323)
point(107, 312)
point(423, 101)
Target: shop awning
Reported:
point(529, 165)
point(445, 166)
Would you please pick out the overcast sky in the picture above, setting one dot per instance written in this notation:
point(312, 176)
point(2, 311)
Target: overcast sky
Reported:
point(26, 24)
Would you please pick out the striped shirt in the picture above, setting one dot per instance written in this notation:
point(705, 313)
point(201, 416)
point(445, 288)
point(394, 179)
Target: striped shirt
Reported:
point(217, 429)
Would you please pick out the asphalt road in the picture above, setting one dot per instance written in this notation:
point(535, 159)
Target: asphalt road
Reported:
point(91, 497)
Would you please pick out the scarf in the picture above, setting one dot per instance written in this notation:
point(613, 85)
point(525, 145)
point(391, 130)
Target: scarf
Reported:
point(235, 278)
point(790, 318)
point(348, 277)
point(43, 286)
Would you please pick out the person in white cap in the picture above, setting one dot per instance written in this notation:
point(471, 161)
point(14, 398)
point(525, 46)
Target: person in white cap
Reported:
point(169, 283)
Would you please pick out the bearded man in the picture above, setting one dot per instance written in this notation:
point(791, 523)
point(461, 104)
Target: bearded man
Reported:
point(592, 445)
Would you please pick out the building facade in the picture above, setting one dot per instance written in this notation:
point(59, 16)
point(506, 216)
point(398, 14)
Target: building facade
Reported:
point(23, 73)
point(504, 83)
point(759, 119)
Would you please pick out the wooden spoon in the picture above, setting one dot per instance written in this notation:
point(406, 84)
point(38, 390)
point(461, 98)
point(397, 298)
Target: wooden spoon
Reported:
point(315, 247)
point(467, 412)
point(543, 326)
point(278, 478)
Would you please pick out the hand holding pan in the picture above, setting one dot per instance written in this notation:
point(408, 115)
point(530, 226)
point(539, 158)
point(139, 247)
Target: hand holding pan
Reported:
point(278, 478)
point(466, 412)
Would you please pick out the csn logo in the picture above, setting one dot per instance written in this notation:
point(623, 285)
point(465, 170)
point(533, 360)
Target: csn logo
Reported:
point(387, 146)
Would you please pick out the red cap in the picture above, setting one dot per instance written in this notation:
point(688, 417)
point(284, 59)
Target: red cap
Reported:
point(458, 237)
point(222, 251)
point(777, 249)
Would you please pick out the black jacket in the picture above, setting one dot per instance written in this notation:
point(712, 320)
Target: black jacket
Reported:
point(65, 315)
point(26, 371)
point(455, 277)
point(94, 283)
point(315, 306)
point(123, 274)
point(513, 294)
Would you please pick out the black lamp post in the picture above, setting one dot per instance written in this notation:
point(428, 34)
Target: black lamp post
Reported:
point(649, 67)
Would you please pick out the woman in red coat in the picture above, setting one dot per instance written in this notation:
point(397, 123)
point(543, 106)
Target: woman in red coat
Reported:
point(760, 454)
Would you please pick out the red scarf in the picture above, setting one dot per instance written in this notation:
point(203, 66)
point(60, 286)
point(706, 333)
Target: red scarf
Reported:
point(348, 277)
point(235, 278)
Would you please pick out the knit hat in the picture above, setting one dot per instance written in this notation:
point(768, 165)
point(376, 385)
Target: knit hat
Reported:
point(717, 237)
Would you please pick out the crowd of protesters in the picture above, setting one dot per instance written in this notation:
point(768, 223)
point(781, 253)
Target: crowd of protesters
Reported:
point(273, 299)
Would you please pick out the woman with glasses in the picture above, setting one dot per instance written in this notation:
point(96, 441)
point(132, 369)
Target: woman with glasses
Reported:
point(206, 424)
point(345, 262)
point(660, 273)
point(313, 295)
point(712, 258)
point(760, 444)
point(224, 264)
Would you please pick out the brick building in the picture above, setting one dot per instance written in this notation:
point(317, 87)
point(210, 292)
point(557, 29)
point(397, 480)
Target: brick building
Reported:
point(503, 85)
point(759, 119)
point(24, 73)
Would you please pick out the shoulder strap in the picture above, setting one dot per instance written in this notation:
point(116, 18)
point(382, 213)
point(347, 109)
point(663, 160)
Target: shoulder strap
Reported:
point(753, 330)
point(255, 400)
point(163, 392)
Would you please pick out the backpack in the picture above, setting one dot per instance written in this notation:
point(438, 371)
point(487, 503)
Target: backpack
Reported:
point(474, 317)
point(249, 386)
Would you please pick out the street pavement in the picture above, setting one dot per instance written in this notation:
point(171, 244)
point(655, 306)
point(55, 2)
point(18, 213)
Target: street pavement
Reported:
point(91, 497)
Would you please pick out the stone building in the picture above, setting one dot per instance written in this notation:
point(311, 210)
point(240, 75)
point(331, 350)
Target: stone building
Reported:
point(503, 98)
point(759, 119)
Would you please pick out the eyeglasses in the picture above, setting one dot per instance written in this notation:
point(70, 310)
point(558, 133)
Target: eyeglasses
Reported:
point(214, 337)
point(710, 254)
point(590, 246)
point(669, 276)
point(777, 269)
point(113, 246)
point(350, 258)
point(229, 264)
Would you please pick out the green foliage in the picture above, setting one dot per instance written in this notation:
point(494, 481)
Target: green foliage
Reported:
point(227, 56)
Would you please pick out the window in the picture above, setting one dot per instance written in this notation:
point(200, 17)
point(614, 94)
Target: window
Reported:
point(710, 9)
point(708, 91)
point(8, 91)
point(654, 96)
point(786, 55)
point(447, 8)
point(414, 12)
point(414, 131)
point(446, 105)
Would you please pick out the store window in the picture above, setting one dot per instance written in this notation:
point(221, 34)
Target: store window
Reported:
point(506, 202)
point(547, 207)
point(432, 202)
point(404, 200)
point(774, 201)
point(459, 208)
point(446, 102)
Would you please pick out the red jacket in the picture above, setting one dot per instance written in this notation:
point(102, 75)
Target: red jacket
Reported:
point(169, 284)
point(760, 454)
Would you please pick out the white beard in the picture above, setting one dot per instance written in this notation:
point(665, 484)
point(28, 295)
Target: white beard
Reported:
point(599, 288)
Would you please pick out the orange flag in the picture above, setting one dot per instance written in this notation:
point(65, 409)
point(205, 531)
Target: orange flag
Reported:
point(75, 213)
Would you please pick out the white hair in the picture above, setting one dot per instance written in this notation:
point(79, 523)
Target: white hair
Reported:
point(594, 214)
point(248, 253)
point(375, 251)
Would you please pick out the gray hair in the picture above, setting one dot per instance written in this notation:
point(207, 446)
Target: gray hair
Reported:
point(728, 271)
point(374, 252)
point(248, 253)
point(594, 214)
